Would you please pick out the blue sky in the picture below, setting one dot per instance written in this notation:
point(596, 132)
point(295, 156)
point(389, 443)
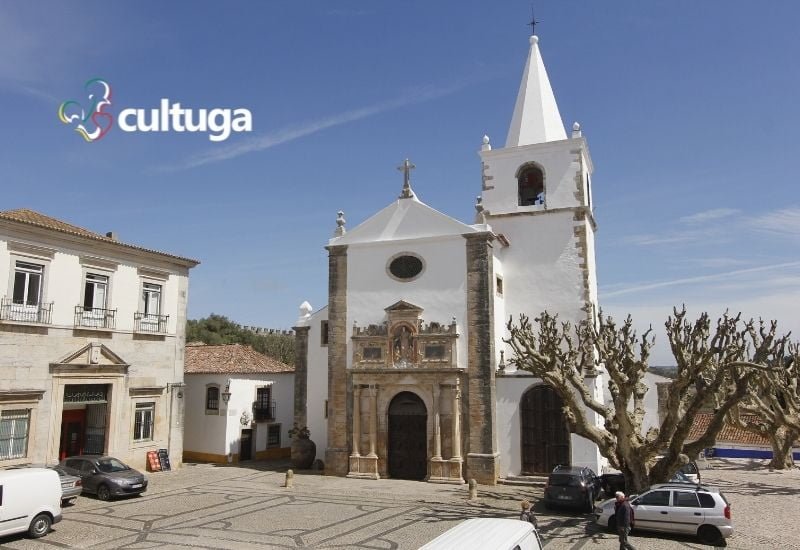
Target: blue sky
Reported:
point(689, 108)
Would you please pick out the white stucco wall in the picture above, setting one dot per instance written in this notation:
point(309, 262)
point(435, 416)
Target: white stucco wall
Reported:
point(440, 290)
point(317, 387)
point(203, 432)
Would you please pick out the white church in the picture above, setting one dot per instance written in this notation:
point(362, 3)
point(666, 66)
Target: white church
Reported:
point(404, 374)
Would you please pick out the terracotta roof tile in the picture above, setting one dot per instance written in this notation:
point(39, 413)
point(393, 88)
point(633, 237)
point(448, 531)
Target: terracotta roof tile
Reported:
point(729, 433)
point(31, 217)
point(230, 359)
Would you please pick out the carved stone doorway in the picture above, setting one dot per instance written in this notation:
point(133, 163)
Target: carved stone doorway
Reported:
point(545, 436)
point(408, 437)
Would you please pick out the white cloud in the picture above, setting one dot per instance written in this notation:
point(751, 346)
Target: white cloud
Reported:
point(785, 221)
point(708, 215)
point(291, 133)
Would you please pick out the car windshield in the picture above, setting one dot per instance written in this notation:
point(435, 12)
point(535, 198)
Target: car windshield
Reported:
point(109, 465)
point(564, 480)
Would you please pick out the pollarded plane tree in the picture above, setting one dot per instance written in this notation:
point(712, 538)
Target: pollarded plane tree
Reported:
point(713, 366)
point(772, 409)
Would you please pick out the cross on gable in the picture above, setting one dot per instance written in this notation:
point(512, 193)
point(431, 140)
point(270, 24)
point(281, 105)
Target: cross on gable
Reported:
point(406, 168)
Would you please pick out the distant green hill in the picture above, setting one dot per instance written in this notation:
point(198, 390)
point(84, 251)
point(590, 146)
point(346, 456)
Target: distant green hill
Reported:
point(218, 329)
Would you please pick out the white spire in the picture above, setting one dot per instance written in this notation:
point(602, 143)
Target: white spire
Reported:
point(536, 118)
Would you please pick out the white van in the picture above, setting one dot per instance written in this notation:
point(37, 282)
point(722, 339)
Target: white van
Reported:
point(30, 500)
point(488, 534)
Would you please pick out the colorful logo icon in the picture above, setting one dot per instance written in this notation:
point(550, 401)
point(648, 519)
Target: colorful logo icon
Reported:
point(93, 122)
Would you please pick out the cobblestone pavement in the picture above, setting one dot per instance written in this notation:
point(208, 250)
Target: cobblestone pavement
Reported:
point(243, 507)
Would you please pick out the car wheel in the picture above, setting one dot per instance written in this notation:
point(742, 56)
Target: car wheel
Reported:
point(103, 493)
point(708, 534)
point(40, 526)
point(612, 524)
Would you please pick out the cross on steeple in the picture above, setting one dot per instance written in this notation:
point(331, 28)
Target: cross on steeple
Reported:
point(533, 23)
point(406, 169)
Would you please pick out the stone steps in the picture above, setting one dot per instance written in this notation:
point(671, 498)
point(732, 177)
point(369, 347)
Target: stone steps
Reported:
point(530, 481)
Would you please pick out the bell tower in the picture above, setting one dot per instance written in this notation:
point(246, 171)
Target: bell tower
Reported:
point(536, 192)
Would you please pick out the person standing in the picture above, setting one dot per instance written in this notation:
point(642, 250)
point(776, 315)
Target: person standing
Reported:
point(623, 513)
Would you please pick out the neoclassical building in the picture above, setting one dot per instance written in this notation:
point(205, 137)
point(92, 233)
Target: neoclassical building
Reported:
point(91, 344)
point(404, 373)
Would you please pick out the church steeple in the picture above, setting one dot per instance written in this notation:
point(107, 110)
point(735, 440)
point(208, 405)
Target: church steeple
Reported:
point(536, 118)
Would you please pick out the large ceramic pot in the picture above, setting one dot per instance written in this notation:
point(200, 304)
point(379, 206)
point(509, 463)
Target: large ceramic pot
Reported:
point(304, 451)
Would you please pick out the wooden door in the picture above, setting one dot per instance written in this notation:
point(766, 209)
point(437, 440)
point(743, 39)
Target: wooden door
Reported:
point(545, 436)
point(408, 437)
point(73, 423)
point(246, 445)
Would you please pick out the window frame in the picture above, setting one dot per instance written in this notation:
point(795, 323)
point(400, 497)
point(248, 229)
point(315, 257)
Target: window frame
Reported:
point(139, 425)
point(399, 255)
point(207, 401)
point(143, 297)
point(7, 415)
point(270, 428)
point(92, 273)
point(521, 171)
point(324, 332)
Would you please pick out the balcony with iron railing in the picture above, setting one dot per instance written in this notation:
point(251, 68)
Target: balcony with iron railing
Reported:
point(263, 412)
point(25, 313)
point(149, 323)
point(95, 317)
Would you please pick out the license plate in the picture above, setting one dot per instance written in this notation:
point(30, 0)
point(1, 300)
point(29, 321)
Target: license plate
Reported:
point(564, 497)
point(136, 486)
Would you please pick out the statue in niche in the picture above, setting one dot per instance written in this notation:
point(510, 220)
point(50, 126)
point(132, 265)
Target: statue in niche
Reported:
point(402, 346)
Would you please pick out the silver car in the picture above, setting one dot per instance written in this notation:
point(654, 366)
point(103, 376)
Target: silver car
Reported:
point(676, 508)
point(71, 486)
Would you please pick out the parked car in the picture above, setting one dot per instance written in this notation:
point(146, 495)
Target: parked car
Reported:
point(572, 486)
point(676, 508)
point(30, 500)
point(105, 476)
point(615, 481)
point(482, 533)
point(71, 486)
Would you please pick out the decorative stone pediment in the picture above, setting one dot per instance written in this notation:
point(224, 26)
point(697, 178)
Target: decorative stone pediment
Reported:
point(404, 306)
point(94, 357)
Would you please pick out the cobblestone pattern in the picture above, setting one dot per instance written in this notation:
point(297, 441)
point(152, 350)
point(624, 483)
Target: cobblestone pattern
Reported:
point(246, 507)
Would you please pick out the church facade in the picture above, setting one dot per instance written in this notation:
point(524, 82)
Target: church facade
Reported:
point(404, 374)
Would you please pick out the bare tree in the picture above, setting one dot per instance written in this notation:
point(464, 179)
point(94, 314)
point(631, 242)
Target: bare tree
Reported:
point(772, 410)
point(712, 367)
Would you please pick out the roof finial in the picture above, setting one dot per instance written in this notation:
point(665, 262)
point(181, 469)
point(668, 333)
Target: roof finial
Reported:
point(340, 221)
point(533, 22)
point(406, 169)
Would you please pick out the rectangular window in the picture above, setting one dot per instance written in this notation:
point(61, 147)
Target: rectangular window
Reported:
point(28, 283)
point(273, 436)
point(143, 421)
point(499, 285)
point(151, 293)
point(95, 291)
point(323, 333)
point(14, 425)
point(685, 499)
point(264, 408)
point(212, 398)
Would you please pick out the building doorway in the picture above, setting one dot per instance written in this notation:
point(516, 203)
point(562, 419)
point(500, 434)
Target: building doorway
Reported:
point(545, 436)
point(83, 420)
point(408, 437)
point(246, 445)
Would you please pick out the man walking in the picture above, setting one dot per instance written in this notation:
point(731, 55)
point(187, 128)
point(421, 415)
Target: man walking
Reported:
point(623, 513)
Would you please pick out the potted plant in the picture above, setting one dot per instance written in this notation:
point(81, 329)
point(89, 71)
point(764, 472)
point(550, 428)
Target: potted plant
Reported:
point(304, 451)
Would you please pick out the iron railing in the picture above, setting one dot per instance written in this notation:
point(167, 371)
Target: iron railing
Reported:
point(25, 313)
point(147, 322)
point(263, 412)
point(95, 317)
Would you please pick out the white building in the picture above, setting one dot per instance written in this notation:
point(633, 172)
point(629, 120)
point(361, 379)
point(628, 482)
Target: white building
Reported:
point(239, 404)
point(91, 344)
point(405, 367)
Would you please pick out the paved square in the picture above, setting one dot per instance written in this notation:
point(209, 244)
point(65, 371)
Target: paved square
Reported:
point(243, 507)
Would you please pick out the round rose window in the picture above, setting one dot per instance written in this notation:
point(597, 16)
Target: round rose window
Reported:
point(405, 267)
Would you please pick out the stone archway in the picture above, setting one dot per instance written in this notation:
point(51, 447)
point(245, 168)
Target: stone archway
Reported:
point(545, 436)
point(408, 437)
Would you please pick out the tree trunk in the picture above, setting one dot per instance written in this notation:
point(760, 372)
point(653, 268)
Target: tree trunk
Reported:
point(782, 441)
point(636, 478)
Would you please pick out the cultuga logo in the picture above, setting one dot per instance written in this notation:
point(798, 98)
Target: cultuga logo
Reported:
point(94, 122)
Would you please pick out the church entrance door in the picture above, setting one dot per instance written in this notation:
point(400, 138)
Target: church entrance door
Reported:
point(545, 436)
point(408, 437)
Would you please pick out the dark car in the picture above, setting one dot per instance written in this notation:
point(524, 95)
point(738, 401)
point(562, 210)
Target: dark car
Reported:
point(105, 476)
point(572, 486)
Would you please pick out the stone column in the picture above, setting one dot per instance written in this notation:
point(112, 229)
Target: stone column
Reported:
point(373, 420)
point(301, 375)
point(356, 420)
point(437, 431)
point(337, 453)
point(456, 422)
point(480, 391)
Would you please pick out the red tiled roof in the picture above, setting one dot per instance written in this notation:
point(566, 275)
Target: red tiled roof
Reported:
point(230, 359)
point(729, 433)
point(31, 217)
